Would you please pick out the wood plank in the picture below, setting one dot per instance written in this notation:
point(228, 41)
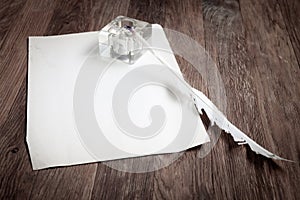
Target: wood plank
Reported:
point(15, 169)
point(151, 11)
point(84, 16)
point(13, 53)
point(276, 72)
point(188, 18)
point(26, 184)
point(15, 165)
point(290, 15)
point(123, 185)
point(226, 39)
point(18, 181)
point(178, 180)
point(8, 12)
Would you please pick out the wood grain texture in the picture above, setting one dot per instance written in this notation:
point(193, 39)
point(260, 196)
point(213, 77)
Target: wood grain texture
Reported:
point(256, 47)
point(289, 11)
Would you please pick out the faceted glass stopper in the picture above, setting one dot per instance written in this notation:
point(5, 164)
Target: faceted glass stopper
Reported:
point(117, 39)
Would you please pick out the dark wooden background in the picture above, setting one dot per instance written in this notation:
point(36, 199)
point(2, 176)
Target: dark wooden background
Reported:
point(256, 45)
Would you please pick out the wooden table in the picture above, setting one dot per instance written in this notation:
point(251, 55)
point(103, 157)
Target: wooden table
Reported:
point(256, 45)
